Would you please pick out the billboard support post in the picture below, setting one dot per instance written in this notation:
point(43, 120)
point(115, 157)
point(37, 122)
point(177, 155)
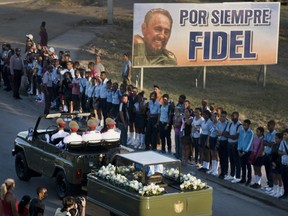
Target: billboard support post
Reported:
point(141, 78)
point(264, 75)
point(204, 77)
point(110, 11)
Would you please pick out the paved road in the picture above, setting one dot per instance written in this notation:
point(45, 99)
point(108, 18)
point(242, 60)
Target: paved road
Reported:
point(19, 115)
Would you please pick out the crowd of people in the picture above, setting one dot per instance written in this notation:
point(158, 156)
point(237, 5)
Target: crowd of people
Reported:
point(9, 205)
point(205, 137)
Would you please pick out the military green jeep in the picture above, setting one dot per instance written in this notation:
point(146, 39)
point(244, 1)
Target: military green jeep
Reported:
point(35, 155)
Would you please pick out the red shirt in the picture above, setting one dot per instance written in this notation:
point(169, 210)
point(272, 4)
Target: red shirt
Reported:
point(94, 73)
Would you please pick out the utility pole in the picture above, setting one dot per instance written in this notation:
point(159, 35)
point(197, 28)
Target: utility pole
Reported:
point(110, 11)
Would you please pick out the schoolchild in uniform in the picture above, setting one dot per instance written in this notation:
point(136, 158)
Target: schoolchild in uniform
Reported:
point(283, 151)
point(276, 167)
point(244, 149)
point(140, 121)
point(212, 145)
point(257, 149)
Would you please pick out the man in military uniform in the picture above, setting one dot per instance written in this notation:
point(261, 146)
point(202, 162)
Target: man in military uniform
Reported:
point(56, 138)
point(73, 137)
point(111, 134)
point(92, 134)
point(151, 48)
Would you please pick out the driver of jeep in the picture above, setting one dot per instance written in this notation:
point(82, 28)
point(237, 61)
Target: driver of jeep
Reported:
point(57, 137)
point(92, 134)
point(73, 137)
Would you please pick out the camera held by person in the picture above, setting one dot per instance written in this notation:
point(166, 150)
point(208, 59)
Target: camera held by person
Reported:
point(72, 206)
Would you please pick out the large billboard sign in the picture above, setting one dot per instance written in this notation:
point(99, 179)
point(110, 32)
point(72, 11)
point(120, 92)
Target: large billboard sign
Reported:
point(166, 35)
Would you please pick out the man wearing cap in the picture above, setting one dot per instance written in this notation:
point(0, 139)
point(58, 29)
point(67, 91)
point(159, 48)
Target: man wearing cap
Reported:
point(48, 88)
point(111, 134)
point(16, 70)
point(73, 137)
point(92, 134)
point(61, 133)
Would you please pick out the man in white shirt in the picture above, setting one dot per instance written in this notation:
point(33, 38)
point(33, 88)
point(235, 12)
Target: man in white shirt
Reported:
point(111, 134)
point(61, 133)
point(73, 137)
point(92, 134)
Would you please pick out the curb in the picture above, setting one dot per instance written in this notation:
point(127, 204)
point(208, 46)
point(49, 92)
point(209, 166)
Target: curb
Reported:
point(245, 190)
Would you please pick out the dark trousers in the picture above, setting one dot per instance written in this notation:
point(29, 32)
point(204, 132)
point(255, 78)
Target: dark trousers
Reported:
point(245, 165)
point(196, 149)
point(5, 75)
point(223, 156)
point(103, 106)
point(16, 82)
point(165, 135)
point(284, 176)
point(48, 99)
point(151, 134)
point(115, 110)
point(268, 169)
point(124, 131)
point(234, 159)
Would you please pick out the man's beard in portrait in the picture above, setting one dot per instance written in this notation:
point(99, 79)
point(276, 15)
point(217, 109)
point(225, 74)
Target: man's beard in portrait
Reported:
point(151, 51)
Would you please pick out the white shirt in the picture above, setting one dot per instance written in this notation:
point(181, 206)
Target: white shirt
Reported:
point(92, 136)
point(196, 127)
point(103, 88)
point(73, 137)
point(59, 134)
point(206, 126)
point(111, 135)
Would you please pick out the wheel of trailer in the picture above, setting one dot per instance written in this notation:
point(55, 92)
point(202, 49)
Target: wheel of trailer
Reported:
point(63, 187)
point(21, 167)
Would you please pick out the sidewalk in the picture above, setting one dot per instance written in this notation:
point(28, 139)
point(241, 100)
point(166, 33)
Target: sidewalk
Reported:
point(258, 194)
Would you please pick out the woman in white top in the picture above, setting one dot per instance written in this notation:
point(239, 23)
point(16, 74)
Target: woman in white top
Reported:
point(204, 140)
point(196, 131)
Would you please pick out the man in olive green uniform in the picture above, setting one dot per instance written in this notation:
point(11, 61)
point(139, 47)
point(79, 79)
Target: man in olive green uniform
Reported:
point(151, 48)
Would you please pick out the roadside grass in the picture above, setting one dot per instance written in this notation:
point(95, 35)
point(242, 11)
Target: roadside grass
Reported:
point(235, 88)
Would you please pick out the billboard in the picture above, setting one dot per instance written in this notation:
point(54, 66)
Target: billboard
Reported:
point(168, 35)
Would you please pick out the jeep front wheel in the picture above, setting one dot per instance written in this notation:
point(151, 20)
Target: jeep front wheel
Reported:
point(21, 167)
point(63, 187)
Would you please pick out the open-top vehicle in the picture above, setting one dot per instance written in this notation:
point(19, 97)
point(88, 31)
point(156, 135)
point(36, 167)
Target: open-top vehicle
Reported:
point(36, 155)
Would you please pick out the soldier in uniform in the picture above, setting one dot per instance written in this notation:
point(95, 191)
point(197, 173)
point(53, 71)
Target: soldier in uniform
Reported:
point(151, 48)
point(61, 133)
point(92, 134)
point(111, 134)
point(73, 137)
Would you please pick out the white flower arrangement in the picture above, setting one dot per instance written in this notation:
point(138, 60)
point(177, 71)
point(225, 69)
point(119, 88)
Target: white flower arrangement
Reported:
point(192, 183)
point(109, 173)
point(151, 190)
point(135, 185)
point(106, 172)
point(173, 173)
point(125, 169)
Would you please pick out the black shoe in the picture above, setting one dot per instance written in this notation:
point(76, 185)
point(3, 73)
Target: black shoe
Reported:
point(255, 186)
point(284, 196)
point(242, 181)
point(18, 98)
point(221, 176)
point(7, 89)
point(248, 183)
point(202, 169)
